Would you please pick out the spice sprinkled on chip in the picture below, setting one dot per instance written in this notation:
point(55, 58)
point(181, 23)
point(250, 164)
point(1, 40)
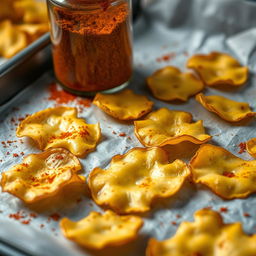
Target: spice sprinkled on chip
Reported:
point(229, 110)
point(165, 126)
point(41, 175)
point(251, 147)
point(225, 174)
point(60, 127)
point(98, 231)
point(135, 179)
point(124, 105)
point(170, 84)
point(218, 69)
point(206, 236)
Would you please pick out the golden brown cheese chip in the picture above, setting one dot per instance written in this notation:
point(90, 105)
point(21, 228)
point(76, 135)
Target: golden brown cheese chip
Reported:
point(41, 175)
point(225, 174)
point(136, 178)
point(12, 41)
point(31, 11)
point(206, 236)
point(225, 108)
point(33, 31)
point(98, 231)
point(251, 147)
point(170, 84)
point(218, 69)
point(124, 105)
point(60, 127)
point(165, 126)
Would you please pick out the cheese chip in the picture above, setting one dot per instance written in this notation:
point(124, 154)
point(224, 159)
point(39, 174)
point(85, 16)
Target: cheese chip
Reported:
point(12, 41)
point(251, 147)
point(136, 178)
point(124, 105)
point(218, 69)
point(41, 175)
point(170, 84)
point(60, 127)
point(227, 109)
point(225, 174)
point(206, 236)
point(98, 231)
point(165, 126)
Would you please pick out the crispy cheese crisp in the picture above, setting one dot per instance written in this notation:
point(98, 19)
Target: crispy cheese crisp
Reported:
point(225, 108)
point(124, 105)
point(225, 174)
point(98, 231)
point(42, 175)
point(218, 69)
point(206, 236)
point(60, 127)
point(251, 147)
point(12, 41)
point(135, 179)
point(165, 126)
point(170, 83)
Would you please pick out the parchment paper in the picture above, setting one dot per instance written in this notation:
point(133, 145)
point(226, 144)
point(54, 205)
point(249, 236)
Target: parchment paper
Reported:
point(183, 27)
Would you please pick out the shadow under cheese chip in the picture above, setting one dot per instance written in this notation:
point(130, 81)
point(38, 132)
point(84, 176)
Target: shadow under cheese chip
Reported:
point(165, 126)
point(124, 105)
point(206, 236)
point(170, 84)
point(135, 179)
point(218, 69)
point(251, 147)
point(225, 174)
point(60, 127)
point(227, 109)
point(98, 231)
point(41, 175)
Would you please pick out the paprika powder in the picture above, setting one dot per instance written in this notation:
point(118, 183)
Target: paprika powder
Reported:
point(92, 48)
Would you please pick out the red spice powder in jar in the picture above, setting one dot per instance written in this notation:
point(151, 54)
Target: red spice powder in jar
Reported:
point(92, 49)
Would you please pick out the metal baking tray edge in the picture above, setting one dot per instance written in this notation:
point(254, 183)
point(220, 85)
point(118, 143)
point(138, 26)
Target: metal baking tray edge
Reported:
point(24, 68)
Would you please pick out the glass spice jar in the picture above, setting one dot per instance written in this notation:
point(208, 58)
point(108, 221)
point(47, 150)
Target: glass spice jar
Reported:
point(91, 44)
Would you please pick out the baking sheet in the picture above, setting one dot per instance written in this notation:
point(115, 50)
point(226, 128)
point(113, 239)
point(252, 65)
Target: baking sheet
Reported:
point(179, 28)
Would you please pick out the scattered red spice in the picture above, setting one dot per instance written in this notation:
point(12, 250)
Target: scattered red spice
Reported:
point(229, 174)
point(122, 134)
point(17, 216)
point(60, 96)
point(15, 155)
point(33, 215)
point(174, 223)
point(54, 216)
point(129, 138)
point(242, 147)
point(7, 153)
point(247, 215)
point(166, 57)
point(223, 209)
point(85, 102)
point(42, 226)
point(114, 132)
point(26, 222)
point(178, 216)
point(22, 153)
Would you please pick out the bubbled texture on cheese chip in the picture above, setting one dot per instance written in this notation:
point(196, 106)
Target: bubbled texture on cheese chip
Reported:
point(227, 109)
point(218, 69)
point(60, 127)
point(97, 230)
point(170, 84)
point(124, 105)
point(206, 236)
point(227, 175)
point(165, 126)
point(41, 175)
point(136, 178)
point(251, 147)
